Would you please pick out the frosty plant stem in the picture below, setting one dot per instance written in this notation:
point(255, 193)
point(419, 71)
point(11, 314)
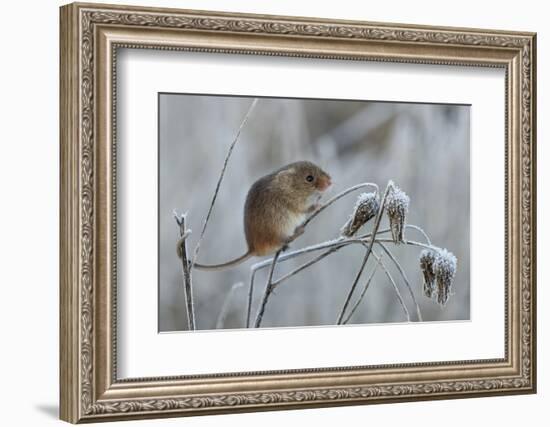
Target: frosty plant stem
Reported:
point(404, 276)
point(339, 242)
point(268, 290)
point(337, 197)
point(332, 246)
point(220, 321)
point(396, 289)
point(220, 179)
point(366, 258)
point(186, 270)
point(365, 289)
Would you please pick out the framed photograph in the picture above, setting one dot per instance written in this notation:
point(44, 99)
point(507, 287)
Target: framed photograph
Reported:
point(266, 212)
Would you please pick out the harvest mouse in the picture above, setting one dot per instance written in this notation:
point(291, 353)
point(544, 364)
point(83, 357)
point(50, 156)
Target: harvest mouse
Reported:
point(276, 206)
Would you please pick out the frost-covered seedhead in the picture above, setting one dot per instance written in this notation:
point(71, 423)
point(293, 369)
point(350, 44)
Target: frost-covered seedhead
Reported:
point(438, 268)
point(445, 270)
point(366, 207)
point(397, 206)
point(427, 260)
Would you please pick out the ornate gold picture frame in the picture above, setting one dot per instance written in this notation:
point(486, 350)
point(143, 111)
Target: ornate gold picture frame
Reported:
point(90, 37)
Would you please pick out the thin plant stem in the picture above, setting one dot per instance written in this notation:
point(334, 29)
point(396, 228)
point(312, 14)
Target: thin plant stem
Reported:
point(420, 230)
point(186, 271)
point(218, 184)
point(289, 255)
point(220, 321)
point(306, 265)
point(365, 288)
point(411, 243)
point(355, 282)
point(366, 258)
point(337, 197)
point(396, 289)
point(407, 283)
point(339, 241)
point(392, 282)
point(250, 296)
point(267, 292)
point(332, 245)
point(290, 274)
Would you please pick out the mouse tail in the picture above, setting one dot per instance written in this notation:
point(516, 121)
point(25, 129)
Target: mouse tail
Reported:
point(225, 265)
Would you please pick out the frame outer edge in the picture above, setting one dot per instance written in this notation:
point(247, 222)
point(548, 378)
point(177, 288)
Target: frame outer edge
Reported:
point(68, 225)
point(534, 270)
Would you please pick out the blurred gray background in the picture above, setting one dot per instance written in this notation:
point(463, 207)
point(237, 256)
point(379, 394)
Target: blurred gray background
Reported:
point(424, 148)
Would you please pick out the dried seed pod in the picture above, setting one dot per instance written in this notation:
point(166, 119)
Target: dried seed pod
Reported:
point(366, 208)
point(397, 206)
point(427, 260)
point(444, 270)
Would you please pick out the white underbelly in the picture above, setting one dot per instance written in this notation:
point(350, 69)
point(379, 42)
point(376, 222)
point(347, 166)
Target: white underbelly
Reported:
point(292, 222)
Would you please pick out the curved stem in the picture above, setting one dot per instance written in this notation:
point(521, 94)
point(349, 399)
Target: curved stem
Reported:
point(289, 255)
point(290, 274)
point(218, 184)
point(338, 196)
point(340, 241)
point(394, 285)
point(333, 245)
point(411, 243)
point(360, 299)
point(414, 227)
point(309, 263)
point(220, 321)
point(402, 272)
point(396, 289)
point(420, 230)
point(369, 250)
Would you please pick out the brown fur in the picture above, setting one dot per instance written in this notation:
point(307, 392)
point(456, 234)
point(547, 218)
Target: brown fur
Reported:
point(275, 205)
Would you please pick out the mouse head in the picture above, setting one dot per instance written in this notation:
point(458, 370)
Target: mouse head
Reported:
point(305, 178)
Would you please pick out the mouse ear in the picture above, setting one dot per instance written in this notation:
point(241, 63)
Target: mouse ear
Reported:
point(286, 172)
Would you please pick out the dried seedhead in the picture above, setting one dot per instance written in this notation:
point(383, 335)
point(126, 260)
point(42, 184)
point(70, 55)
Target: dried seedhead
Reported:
point(427, 260)
point(445, 270)
point(397, 205)
point(366, 207)
point(439, 269)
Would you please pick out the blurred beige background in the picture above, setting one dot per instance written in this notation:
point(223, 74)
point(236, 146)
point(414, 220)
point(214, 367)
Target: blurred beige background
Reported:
point(424, 148)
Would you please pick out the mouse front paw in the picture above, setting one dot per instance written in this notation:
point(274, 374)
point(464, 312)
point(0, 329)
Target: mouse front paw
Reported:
point(298, 231)
point(314, 207)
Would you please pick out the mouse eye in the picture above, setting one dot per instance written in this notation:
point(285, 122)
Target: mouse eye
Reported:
point(309, 178)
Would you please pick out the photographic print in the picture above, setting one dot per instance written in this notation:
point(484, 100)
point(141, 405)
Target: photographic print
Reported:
point(280, 212)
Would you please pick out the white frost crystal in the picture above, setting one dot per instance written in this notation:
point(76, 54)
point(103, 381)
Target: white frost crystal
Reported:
point(366, 207)
point(445, 270)
point(427, 259)
point(397, 205)
point(439, 268)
